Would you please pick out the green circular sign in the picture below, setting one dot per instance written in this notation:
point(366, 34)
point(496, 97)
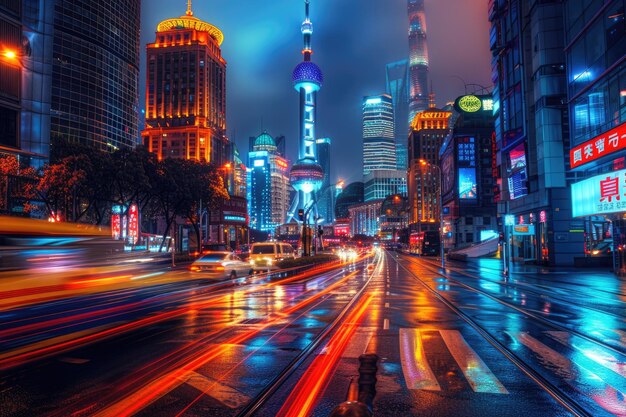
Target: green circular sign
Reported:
point(470, 104)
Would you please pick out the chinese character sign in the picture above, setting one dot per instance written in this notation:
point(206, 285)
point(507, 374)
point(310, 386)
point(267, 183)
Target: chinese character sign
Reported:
point(116, 226)
point(602, 194)
point(609, 142)
point(133, 224)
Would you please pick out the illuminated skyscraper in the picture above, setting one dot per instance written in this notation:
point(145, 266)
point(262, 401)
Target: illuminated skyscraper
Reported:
point(418, 59)
point(326, 196)
point(398, 88)
point(307, 176)
point(379, 148)
point(186, 91)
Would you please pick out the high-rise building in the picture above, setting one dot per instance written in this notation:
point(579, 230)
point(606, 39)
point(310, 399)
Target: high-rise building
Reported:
point(325, 197)
point(596, 81)
point(532, 126)
point(95, 72)
point(306, 174)
point(379, 148)
point(10, 74)
point(268, 199)
point(397, 77)
point(418, 59)
point(383, 183)
point(428, 132)
point(186, 91)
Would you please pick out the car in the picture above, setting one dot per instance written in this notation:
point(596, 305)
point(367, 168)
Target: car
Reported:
point(265, 255)
point(220, 265)
point(214, 247)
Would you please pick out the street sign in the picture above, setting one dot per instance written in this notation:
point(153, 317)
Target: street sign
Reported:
point(524, 230)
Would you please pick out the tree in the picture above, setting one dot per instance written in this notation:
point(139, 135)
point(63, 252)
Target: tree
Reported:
point(62, 183)
point(17, 183)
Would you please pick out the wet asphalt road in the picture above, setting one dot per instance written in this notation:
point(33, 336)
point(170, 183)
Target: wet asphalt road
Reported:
point(460, 343)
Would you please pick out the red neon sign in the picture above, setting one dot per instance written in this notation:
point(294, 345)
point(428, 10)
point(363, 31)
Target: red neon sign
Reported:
point(133, 224)
point(116, 226)
point(605, 144)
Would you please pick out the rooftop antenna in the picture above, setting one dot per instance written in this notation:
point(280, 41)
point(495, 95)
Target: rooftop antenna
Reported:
point(189, 12)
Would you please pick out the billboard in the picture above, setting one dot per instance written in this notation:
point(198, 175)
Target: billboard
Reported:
point(602, 194)
point(467, 183)
point(517, 172)
point(607, 143)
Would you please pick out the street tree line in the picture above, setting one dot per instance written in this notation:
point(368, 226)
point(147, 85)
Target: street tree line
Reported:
point(82, 184)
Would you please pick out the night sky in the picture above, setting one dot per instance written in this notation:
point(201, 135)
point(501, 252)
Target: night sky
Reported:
point(353, 40)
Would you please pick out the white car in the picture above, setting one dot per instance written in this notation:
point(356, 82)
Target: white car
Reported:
point(264, 256)
point(220, 265)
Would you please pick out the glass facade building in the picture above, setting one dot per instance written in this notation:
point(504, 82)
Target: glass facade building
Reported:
point(326, 195)
point(418, 59)
point(379, 148)
point(10, 74)
point(95, 72)
point(595, 49)
point(380, 184)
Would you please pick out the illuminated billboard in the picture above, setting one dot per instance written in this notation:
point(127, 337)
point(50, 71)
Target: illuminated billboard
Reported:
point(602, 194)
point(517, 172)
point(467, 183)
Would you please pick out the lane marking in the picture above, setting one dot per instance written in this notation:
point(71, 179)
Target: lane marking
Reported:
point(477, 373)
point(417, 372)
point(226, 395)
point(358, 343)
point(594, 353)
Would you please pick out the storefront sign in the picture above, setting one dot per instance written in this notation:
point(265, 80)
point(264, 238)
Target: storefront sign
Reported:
point(133, 224)
point(509, 220)
point(472, 104)
point(543, 217)
point(602, 194)
point(524, 230)
point(116, 226)
point(607, 143)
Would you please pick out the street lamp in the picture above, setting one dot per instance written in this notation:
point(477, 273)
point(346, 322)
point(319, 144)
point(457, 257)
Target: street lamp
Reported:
point(440, 198)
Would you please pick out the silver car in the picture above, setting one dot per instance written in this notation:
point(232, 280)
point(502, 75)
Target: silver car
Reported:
point(220, 265)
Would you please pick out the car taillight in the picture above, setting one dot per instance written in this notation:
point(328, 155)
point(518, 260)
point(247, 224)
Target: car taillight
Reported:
point(194, 268)
point(219, 268)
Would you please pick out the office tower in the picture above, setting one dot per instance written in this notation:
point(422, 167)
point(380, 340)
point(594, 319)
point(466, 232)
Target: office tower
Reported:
point(532, 123)
point(186, 91)
point(418, 59)
point(379, 148)
point(325, 198)
point(95, 72)
point(397, 76)
point(428, 132)
point(307, 175)
point(268, 199)
point(382, 183)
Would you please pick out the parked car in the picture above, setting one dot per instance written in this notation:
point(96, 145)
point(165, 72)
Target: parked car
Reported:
point(220, 265)
point(265, 255)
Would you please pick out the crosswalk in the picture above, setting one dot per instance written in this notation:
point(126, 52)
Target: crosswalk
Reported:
point(583, 365)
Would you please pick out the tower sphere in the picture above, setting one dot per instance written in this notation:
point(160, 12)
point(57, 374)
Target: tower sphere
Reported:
point(308, 75)
point(306, 177)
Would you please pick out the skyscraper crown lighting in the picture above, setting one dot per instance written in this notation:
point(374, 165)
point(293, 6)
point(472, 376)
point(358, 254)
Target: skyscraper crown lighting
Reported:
point(188, 21)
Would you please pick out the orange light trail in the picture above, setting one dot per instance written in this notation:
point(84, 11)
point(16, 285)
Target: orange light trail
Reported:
point(146, 395)
point(304, 396)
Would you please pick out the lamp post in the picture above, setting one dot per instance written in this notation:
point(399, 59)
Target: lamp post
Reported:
point(440, 199)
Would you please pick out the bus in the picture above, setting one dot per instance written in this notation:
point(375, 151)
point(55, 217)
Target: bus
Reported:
point(29, 243)
point(425, 243)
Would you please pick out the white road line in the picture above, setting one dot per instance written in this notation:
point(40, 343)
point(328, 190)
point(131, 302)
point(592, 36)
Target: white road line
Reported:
point(591, 351)
point(417, 372)
point(228, 396)
point(477, 373)
point(359, 342)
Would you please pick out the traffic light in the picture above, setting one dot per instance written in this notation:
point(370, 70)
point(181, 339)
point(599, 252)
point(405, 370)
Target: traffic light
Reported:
point(301, 214)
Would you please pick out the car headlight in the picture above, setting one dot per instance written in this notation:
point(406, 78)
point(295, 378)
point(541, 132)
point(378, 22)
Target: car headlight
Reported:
point(252, 262)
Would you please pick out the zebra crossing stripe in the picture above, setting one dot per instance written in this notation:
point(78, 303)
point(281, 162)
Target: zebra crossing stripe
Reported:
point(417, 372)
point(477, 373)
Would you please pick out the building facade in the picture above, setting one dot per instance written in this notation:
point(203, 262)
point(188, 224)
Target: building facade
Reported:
point(365, 218)
point(397, 82)
point(326, 195)
point(10, 75)
point(428, 131)
point(418, 59)
point(469, 169)
point(532, 128)
point(95, 72)
point(380, 184)
point(595, 56)
point(268, 183)
point(379, 148)
point(186, 91)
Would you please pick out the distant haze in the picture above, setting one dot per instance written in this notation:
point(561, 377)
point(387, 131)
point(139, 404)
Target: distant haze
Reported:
point(353, 40)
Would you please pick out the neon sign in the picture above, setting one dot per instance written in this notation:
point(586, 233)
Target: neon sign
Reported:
point(605, 144)
point(602, 194)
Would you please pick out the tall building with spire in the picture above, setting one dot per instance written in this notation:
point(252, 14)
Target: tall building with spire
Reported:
point(306, 175)
point(186, 91)
point(418, 59)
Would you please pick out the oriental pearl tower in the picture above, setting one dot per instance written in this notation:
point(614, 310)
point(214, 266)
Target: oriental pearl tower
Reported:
point(306, 174)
